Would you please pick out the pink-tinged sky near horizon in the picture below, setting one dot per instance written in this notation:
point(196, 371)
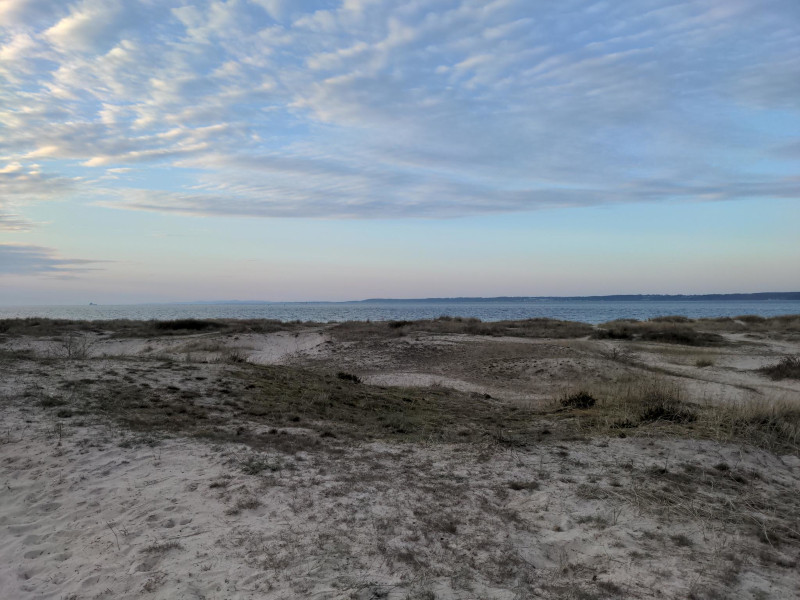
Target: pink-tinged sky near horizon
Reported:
point(168, 150)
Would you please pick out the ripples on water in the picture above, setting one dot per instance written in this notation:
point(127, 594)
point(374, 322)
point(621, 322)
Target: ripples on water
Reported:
point(588, 311)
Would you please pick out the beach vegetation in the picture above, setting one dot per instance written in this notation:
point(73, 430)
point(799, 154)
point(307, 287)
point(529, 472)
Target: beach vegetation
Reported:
point(787, 367)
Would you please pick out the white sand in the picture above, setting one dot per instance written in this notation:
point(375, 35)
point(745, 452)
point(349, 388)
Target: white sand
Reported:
point(78, 515)
point(91, 511)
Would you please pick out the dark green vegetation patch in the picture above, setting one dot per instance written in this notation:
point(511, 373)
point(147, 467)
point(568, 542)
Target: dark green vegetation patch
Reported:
point(786, 368)
point(670, 330)
point(299, 408)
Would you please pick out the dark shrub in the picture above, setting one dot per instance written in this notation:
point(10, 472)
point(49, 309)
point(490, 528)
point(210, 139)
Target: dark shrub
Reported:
point(621, 329)
point(667, 411)
point(670, 330)
point(578, 400)
point(348, 377)
point(750, 318)
point(523, 485)
point(671, 319)
point(187, 324)
point(682, 335)
point(787, 367)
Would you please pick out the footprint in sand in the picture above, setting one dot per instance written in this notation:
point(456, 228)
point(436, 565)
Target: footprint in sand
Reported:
point(33, 553)
point(33, 539)
point(48, 507)
point(146, 565)
point(67, 535)
point(22, 527)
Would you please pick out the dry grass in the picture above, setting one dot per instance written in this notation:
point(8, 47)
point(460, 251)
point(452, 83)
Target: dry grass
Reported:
point(773, 425)
point(162, 547)
point(320, 406)
point(786, 368)
point(528, 328)
point(43, 327)
point(696, 332)
point(579, 399)
point(653, 407)
point(309, 410)
point(657, 330)
point(753, 323)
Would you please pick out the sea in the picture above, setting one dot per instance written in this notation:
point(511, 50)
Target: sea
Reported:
point(587, 311)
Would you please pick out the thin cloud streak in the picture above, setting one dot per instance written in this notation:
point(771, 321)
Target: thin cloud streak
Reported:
point(20, 259)
point(435, 200)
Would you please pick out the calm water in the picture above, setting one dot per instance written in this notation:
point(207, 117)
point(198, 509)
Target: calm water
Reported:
point(589, 311)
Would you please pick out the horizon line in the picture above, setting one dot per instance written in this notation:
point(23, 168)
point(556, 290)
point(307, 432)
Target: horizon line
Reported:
point(719, 296)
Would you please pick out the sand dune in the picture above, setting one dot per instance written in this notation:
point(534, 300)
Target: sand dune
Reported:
point(240, 466)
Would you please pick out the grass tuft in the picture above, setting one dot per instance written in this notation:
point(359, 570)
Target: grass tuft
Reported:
point(786, 368)
point(581, 399)
point(348, 377)
point(160, 548)
point(660, 407)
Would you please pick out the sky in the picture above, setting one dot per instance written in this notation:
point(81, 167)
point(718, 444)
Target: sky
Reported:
point(175, 150)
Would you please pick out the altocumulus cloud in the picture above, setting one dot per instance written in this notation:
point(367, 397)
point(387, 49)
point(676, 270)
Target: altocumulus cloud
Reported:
point(21, 184)
point(380, 109)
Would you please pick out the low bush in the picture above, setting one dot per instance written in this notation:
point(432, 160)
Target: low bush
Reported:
point(527, 328)
point(786, 368)
point(348, 377)
point(530, 486)
point(663, 402)
point(681, 335)
point(669, 330)
point(581, 399)
point(671, 319)
point(188, 325)
point(667, 411)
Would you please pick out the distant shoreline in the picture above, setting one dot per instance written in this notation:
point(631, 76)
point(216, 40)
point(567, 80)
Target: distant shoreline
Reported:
point(757, 296)
point(588, 309)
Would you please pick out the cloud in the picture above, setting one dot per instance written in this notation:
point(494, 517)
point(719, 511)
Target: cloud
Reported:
point(355, 197)
point(87, 25)
point(18, 259)
point(22, 184)
point(27, 183)
point(28, 12)
point(372, 108)
point(13, 222)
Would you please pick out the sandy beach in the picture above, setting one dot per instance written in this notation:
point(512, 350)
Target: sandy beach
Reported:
point(448, 459)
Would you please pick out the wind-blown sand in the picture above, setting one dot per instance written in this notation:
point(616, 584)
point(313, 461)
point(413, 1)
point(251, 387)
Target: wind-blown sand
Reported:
point(98, 504)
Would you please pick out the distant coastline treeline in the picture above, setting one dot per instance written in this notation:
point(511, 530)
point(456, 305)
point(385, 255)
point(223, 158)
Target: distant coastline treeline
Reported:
point(759, 296)
point(781, 296)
